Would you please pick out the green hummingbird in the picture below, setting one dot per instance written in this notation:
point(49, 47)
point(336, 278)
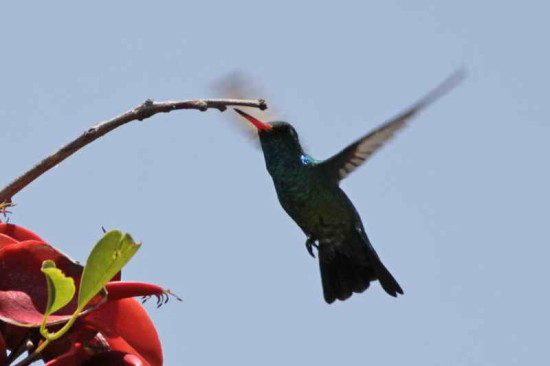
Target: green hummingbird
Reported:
point(308, 190)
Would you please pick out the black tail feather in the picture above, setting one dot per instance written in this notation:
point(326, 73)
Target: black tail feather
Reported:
point(343, 274)
point(336, 278)
point(388, 282)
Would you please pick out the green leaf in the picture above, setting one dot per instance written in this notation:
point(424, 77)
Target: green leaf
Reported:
point(107, 258)
point(61, 288)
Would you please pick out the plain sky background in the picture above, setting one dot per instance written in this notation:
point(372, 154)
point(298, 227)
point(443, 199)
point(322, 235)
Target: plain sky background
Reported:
point(456, 206)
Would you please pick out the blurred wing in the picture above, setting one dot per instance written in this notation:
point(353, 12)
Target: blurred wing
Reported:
point(238, 85)
point(346, 161)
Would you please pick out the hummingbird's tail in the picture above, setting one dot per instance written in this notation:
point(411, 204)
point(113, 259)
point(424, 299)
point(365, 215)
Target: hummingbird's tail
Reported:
point(389, 284)
point(349, 268)
point(341, 275)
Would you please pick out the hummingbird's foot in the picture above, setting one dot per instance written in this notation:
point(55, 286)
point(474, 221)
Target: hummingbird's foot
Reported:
point(310, 243)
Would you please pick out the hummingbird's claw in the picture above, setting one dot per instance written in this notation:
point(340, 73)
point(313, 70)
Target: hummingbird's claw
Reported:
point(310, 243)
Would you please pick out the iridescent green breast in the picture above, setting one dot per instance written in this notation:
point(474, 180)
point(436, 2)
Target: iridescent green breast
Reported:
point(311, 202)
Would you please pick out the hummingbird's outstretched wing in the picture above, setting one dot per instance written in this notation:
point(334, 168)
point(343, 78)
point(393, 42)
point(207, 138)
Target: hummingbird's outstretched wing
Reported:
point(346, 161)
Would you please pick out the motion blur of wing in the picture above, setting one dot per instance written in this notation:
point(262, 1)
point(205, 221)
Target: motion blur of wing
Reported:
point(238, 85)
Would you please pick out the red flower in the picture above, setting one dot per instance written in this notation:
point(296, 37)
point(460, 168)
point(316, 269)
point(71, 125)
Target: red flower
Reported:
point(113, 330)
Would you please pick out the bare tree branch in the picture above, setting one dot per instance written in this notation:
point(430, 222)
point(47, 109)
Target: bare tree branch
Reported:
point(139, 113)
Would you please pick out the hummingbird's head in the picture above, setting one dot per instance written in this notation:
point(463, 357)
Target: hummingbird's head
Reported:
point(277, 138)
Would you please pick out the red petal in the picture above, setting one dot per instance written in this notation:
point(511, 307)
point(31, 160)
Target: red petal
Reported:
point(23, 288)
point(18, 233)
point(6, 240)
point(121, 290)
point(115, 358)
point(77, 355)
point(128, 329)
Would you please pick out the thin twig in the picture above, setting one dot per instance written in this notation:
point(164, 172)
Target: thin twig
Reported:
point(139, 113)
point(25, 345)
point(33, 357)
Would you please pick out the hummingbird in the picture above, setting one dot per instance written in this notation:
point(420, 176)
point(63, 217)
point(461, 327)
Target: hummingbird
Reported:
point(308, 190)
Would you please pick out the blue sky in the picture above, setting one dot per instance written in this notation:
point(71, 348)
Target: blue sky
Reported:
point(456, 206)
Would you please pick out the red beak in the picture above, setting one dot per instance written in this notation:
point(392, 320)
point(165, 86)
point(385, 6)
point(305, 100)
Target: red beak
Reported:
point(256, 122)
